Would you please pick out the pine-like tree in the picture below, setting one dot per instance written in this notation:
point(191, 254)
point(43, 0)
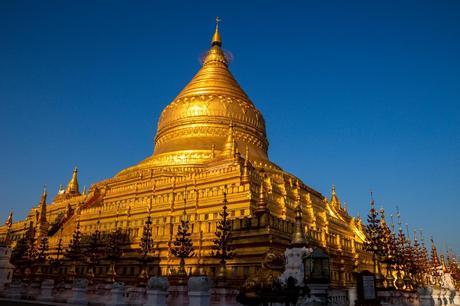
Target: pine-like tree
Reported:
point(387, 254)
point(93, 251)
point(74, 251)
point(55, 262)
point(409, 264)
point(222, 249)
point(113, 252)
point(146, 248)
point(42, 250)
point(373, 242)
point(24, 254)
point(400, 254)
point(417, 268)
point(40, 262)
point(424, 261)
point(183, 245)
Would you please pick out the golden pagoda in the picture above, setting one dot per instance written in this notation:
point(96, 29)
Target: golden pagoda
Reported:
point(210, 136)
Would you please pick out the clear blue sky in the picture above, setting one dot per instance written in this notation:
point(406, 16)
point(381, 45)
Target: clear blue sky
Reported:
point(362, 94)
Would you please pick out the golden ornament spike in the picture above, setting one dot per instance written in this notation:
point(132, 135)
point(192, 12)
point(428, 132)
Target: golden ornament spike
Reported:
point(42, 206)
point(298, 236)
point(229, 147)
point(434, 254)
point(261, 202)
point(9, 220)
point(334, 198)
point(392, 224)
point(407, 232)
point(216, 39)
point(72, 187)
point(443, 263)
point(44, 193)
point(399, 219)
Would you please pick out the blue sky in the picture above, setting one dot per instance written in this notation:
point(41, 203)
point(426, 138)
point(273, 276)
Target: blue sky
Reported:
point(361, 94)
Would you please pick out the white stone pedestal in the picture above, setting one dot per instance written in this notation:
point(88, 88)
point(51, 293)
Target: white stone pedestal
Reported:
point(46, 292)
point(157, 288)
point(79, 292)
point(436, 298)
point(443, 296)
point(155, 298)
point(457, 298)
point(198, 291)
point(78, 296)
point(117, 295)
point(198, 298)
point(136, 295)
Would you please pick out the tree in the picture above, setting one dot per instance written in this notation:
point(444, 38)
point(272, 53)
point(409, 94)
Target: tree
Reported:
point(222, 249)
point(373, 242)
point(56, 261)
point(24, 254)
point(40, 261)
point(74, 250)
point(388, 249)
point(146, 247)
point(93, 251)
point(183, 245)
point(19, 252)
point(400, 255)
point(113, 252)
point(42, 250)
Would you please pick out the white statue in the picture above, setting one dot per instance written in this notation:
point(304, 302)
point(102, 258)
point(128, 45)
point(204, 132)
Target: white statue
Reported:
point(295, 265)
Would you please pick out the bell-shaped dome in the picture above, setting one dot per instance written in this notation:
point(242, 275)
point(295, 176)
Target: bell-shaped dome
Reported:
point(195, 125)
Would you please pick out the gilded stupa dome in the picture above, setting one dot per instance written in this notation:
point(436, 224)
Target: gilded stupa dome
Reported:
point(195, 125)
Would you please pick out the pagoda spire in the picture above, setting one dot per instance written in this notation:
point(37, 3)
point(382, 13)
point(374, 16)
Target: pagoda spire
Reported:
point(230, 144)
point(41, 228)
point(9, 220)
point(261, 201)
point(216, 54)
point(72, 187)
point(443, 263)
point(434, 254)
point(245, 176)
point(334, 198)
point(216, 39)
point(298, 237)
point(42, 206)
